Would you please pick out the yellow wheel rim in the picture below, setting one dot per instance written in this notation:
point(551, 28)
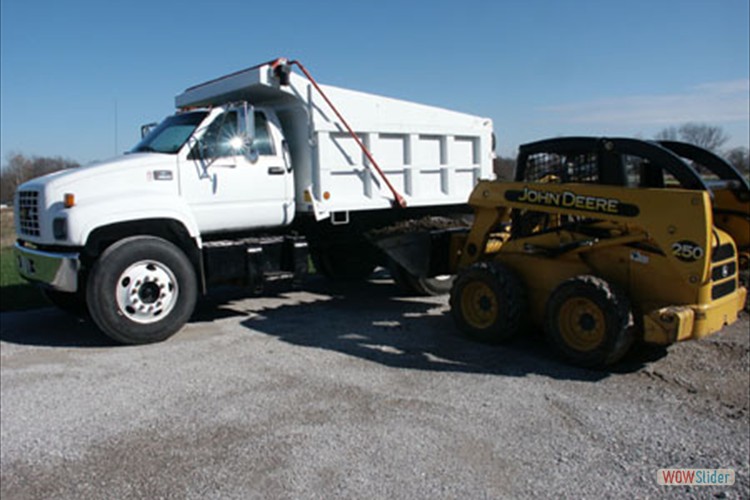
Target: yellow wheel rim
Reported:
point(479, 305)
point(582, 324)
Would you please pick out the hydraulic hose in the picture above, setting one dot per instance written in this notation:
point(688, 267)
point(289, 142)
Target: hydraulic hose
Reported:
point(400, 201)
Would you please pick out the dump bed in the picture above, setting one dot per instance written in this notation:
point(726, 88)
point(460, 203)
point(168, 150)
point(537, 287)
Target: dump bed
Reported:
point(431, 156)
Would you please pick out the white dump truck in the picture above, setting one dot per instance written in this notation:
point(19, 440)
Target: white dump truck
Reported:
point(255, 172)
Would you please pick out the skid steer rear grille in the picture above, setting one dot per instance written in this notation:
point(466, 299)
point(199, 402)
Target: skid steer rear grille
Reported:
point(723, 289)
point(723, 271)
point(723, 252)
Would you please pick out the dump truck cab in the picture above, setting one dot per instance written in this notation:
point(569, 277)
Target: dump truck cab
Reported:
point(234, 170)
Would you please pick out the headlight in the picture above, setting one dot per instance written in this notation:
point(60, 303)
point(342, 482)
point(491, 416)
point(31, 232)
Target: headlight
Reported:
point(60, 228)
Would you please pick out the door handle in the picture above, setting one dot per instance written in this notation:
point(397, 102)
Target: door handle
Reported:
point(276, 170)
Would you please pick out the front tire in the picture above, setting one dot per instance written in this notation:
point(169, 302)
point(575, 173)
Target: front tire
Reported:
point(589, 321)
point(142, 289)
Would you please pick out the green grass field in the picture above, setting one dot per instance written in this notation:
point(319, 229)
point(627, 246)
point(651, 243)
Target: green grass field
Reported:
point(15, 293)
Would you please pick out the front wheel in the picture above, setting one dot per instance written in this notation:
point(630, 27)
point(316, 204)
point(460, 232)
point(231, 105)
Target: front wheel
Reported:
point(142, 289)
point(589, 321)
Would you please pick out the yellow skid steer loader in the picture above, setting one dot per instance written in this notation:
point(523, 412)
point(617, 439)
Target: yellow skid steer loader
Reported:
point(601, 241)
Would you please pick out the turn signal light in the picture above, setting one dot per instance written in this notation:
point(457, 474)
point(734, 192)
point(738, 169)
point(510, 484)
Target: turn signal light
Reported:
point(69, 200)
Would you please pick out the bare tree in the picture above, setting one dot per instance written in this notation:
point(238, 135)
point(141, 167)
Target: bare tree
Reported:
point(740, 158)
point(706, 136)
point(20, 168)
point(505, 168)
point(709, 137)
point(667, 134)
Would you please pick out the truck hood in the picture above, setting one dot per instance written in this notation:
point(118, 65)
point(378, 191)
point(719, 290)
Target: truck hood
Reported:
point(136, 163)
point(120, 178)
point(122, 182)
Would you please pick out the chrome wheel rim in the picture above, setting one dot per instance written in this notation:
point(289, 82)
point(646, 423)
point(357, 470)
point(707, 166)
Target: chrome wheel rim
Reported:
point(146, 291)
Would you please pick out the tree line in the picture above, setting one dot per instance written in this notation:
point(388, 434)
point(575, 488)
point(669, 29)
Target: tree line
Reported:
point(706, 136)
point(20, 168)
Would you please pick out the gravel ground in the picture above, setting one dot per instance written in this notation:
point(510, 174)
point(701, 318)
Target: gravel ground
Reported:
point(355, 393)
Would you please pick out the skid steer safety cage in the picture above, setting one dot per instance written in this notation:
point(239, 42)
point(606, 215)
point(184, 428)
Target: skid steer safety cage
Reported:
point(552, 167)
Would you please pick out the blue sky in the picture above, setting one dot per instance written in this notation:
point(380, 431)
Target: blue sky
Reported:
point(537, 68)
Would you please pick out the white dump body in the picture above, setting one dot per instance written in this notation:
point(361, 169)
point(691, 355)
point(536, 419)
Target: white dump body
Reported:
point(431, 156)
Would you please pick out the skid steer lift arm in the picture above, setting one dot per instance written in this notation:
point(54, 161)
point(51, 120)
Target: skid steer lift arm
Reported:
point(665, 218)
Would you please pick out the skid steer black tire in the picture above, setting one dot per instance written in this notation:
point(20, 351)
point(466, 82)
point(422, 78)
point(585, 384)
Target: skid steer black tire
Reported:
point(589, 321)
point(488, 302)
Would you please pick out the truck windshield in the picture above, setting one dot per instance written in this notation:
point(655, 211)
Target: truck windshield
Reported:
point(171, 134)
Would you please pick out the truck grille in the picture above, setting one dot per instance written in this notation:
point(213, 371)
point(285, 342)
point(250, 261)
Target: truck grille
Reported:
point(28, 213)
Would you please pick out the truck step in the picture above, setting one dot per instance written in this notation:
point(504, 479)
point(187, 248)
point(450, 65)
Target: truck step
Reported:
point(255, 261)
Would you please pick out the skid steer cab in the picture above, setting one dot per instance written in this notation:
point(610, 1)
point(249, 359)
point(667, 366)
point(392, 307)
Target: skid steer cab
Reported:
point(599, 242)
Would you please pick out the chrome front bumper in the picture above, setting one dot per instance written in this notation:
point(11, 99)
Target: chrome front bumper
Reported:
point(56, 270)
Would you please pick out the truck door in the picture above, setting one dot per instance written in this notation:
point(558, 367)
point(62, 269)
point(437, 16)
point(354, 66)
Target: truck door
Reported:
point(230, 188)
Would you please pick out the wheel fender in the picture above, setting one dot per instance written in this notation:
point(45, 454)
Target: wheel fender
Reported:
point(102, 212)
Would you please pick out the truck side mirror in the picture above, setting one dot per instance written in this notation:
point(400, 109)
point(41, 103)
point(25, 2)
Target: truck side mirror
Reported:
point(147, 128)
point(246, 131)
point(246, 124)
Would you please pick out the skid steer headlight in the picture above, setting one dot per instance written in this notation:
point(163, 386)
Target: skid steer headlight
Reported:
point(60, 228)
